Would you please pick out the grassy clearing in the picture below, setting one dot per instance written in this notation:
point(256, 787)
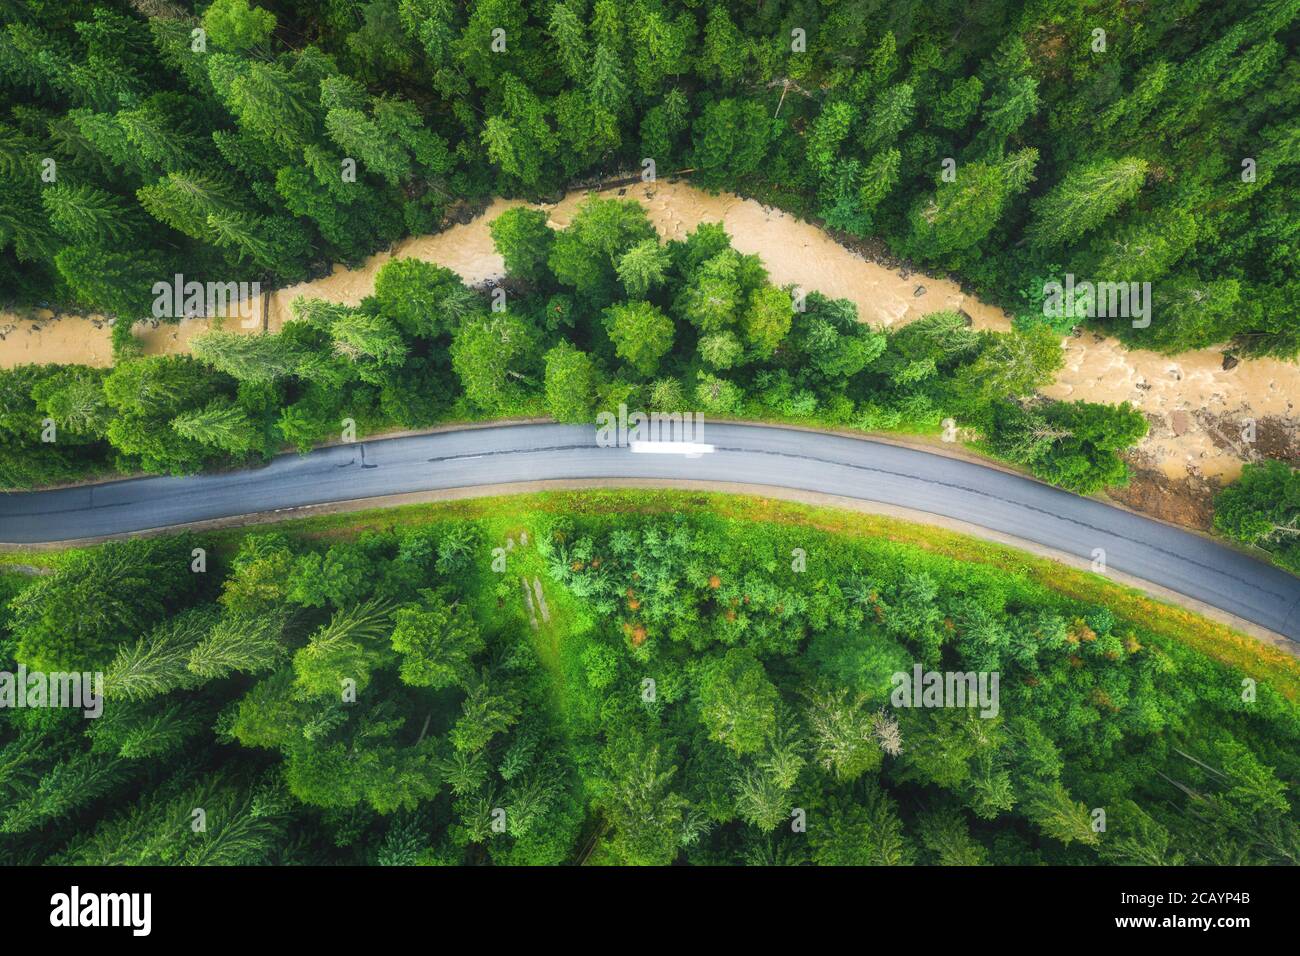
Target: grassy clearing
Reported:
point(511, 525)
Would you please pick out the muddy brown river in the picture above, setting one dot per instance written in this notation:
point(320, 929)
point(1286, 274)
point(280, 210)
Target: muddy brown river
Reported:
point(1198, 408)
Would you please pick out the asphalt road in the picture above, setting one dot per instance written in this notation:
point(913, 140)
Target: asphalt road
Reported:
point(760, 455)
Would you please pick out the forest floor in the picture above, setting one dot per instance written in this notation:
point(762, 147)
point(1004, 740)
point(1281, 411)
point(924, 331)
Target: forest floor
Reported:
point(1200, 404)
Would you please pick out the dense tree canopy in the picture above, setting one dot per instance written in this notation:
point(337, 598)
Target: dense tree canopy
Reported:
point(688, 695)
point(609, 315)
point(242, 140)
point(1263, 508)
point(620, 686)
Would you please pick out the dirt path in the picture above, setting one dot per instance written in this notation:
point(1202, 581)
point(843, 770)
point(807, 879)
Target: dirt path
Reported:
point(1199, 411)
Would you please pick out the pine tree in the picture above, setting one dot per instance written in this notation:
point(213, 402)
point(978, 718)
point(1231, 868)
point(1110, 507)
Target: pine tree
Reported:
point(723, 57)
point(105, 137)
point(219, 424)
point(954, 108)
point(767, 319)
point(273, 105)
point(645, 813)
point(159, 131)
point(349, 648)
point(760, 800)
point(70, 785)
point(522, 238)
point(659, 49)
point(569, 35)
point(863, 831)
point(878, 179)
point(236, 26)
point(827, 134)
point(1008, 107)
point(76, 617)
point(117, 283)
point(185, 200)
point(840, 724)
point(437, 642)
point(721, 350)
point(642, 334)
point(1145, 250)
point(1083, 200)
point(964, 211)
point(571, 383)
point(486, 711)
point(945, 833)
point(1061, 817)
point(260, 358)
point(358, 136)
point(643, 267)
point(85, 214)
point(157, 662)
point(731, 140)
point(662, 125)
point(738, 702)
point(143, 730)
point(889, 115)
point(362, 334)
point(75, 401)
point(606, 87)
point(492, 355)
point(244, 643)
point(519, 140)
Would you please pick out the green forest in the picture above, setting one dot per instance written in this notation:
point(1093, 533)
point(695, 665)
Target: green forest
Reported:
point(642, 677)
point(1003, 141)
point(1008, 144)
point(602, 314)
point(678, 686)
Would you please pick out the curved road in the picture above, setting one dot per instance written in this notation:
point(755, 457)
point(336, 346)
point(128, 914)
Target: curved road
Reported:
point(759, 455)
